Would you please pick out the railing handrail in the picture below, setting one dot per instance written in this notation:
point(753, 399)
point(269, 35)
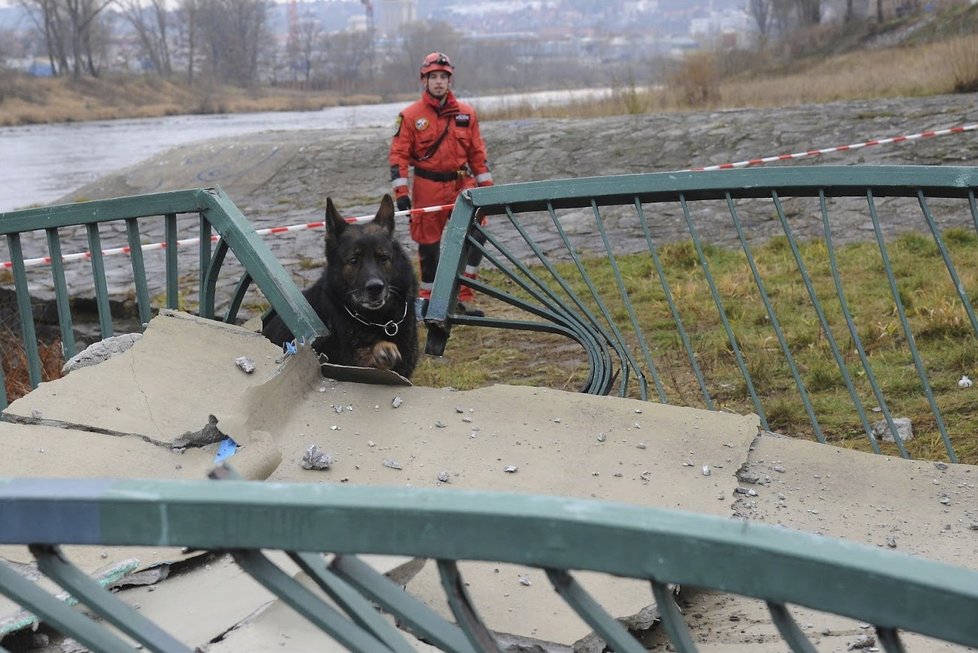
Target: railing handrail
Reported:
point(216, 212)
point(771, 563)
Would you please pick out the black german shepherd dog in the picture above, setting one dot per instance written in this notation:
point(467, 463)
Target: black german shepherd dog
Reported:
point(365, 296)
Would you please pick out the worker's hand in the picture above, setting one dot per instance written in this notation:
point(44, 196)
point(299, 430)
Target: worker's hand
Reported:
point(404, 203)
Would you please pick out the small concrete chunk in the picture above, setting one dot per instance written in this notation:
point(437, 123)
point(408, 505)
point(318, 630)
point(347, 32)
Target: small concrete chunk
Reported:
point(100, 351)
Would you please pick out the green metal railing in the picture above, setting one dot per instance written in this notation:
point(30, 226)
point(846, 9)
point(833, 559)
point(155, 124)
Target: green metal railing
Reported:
point(561, 536)
point(201, 212)
point(545, 244)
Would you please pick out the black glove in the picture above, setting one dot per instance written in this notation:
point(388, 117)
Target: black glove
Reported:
point(404, 203)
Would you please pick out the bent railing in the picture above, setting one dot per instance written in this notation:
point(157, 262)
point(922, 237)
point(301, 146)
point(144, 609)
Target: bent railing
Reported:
point(33, 262)
point(561, 536)
point(612, 264)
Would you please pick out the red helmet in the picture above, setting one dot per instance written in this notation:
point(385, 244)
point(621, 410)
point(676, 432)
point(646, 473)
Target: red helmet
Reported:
point(436, 61)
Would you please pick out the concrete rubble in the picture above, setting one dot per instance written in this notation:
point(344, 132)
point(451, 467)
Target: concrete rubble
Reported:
point(129, 415)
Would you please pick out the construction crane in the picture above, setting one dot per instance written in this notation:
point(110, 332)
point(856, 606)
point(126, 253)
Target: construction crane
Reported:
point(293, 18)
point(369, 9)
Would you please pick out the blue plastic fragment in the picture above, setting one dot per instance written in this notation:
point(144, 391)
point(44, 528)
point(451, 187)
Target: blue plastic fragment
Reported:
point(225, 450)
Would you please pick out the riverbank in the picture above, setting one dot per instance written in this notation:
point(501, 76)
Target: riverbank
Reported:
point(281, 178)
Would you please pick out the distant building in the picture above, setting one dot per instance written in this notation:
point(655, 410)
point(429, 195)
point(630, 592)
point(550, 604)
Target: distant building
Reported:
point(392, 15)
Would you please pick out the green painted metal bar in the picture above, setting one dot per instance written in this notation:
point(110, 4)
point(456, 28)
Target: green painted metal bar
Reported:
point(607, 627)
point(673, 309)
point(805, 181)
point(412, 614)
point(237, 299)
point(974, 209)
point(27, 328)
point(267, 272)
point(770, 563)
point(98, 279)
point(138, 270)
point(615, 340)
point(463, 609)
point(52, 563)
point(824, 322)
point(671, 618)
point(351, 602)
point(633, 319)
point(853, 331)
point(908, 333)
point(208, 280)
point(109, 210)
point(3, 388)
point(577, 320)
point(172, 261)
point(789, 629)
point(889, 638)
point(948, 263)
point(557, 310)
point(775, 322)
point(61, 293)
point(636, 329)
point(59, 614)
point(722, 313)
point(206, 292)
point(307, 604)
point(454, 246)
point(214, 211)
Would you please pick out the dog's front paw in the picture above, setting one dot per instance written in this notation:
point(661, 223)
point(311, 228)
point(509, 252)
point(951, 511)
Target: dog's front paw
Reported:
point(384, 355)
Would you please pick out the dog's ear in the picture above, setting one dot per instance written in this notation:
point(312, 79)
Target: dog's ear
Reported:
point(335, 224)
point(385, 214)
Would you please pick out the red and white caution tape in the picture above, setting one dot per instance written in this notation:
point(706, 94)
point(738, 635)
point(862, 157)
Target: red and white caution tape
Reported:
point(838, 148)
point(46, 260)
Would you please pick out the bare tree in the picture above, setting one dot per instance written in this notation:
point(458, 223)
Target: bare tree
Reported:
point(187, 15)
point(759, 10)
point(81, 18)
point(349, 56)
point(809, 12)
point(418, 40)
point(70, 29)
point(233, 34)
point(782, 16)
point(49, 20)
point(151, 24)
point(308, 48)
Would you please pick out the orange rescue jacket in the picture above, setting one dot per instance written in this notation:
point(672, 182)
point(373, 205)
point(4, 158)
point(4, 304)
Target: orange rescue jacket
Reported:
point(441, 142)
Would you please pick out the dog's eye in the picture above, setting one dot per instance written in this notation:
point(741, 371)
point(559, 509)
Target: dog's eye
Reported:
point(353, 260)
point(384, 258)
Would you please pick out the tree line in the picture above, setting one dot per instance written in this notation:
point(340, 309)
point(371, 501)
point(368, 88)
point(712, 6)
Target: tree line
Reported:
point(232, 42)
point(224, 38)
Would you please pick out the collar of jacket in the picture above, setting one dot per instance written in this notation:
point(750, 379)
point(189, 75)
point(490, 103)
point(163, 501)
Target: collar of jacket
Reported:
point(447, 108)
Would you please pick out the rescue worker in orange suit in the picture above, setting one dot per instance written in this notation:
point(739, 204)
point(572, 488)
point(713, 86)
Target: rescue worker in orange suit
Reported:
point(439, 137)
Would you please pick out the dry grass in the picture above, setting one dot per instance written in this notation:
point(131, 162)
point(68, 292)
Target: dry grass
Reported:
point(15, 372)
point(25, 100)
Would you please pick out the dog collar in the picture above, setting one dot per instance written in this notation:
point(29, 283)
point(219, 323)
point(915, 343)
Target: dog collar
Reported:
point(390, 327)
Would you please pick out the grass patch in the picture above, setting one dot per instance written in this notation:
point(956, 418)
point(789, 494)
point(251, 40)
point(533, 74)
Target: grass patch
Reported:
point(942, 333)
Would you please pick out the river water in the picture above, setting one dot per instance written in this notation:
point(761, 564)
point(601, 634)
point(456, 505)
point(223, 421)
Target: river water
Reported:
point(41, 163)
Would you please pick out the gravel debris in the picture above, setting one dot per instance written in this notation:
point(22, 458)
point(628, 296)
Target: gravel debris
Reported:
point(316, 458)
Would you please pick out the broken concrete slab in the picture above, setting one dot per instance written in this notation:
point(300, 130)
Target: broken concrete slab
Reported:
point(920, 508)
point(45, 451)
point(165, 385)
point(513, 439)
point(502, 438)
point(916, 507)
